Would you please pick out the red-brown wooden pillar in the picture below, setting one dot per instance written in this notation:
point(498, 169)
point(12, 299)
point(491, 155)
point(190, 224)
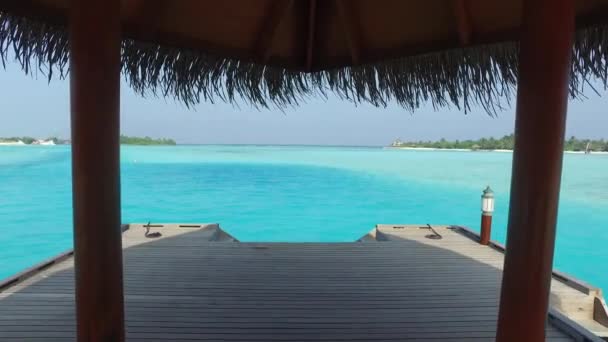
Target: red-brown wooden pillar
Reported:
point(95, 112)
point(542, 97)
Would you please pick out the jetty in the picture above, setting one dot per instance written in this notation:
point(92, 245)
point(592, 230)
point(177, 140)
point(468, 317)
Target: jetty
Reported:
point(196, 282)
point(459, 53)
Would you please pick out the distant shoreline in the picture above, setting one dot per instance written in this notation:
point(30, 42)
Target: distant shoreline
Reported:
point(124, 140)
point(504, 144)
point(405, 148)
point(474, 150)
point(11, 143)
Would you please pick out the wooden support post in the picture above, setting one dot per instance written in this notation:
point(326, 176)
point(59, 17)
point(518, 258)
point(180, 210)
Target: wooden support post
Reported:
point(95, 116)
point(542, 98)
point(486, 229)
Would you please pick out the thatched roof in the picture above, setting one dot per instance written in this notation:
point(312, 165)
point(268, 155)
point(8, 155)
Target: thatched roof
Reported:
point(283, 51)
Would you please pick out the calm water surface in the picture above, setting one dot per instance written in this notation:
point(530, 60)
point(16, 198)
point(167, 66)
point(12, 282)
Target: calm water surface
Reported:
point(274, 193)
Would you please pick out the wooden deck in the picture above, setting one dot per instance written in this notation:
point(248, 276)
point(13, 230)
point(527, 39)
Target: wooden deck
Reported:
point(198, 284)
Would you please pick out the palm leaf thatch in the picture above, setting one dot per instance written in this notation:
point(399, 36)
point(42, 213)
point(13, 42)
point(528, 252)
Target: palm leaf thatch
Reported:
point(462, 77)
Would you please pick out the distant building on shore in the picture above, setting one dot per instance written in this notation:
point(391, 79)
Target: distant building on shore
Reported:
point(397, 142)
point(43, 142)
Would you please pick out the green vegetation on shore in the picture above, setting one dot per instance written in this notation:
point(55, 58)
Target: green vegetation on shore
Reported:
point(26, 140)
point(126, 140)
point(504, 143)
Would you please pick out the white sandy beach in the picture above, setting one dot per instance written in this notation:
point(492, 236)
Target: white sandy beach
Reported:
point(471, 150)
point(12, 143)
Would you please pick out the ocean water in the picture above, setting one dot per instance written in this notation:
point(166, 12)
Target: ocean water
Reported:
point(279, 193)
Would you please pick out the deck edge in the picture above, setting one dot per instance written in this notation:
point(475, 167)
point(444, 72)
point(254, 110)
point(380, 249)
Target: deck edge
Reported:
point(219, 235)
point(18, 278)
point(571, 328)
point(370, 236)
point(564, 278)
point(600, 312)
point(33, 270)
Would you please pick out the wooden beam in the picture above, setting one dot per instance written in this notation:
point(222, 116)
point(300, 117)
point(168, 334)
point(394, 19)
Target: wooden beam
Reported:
point(463, 19)
point(95, 37)
point(310, 38)
point(542, 99)
point(350, 30)
point(142, 17)
point(276, 13)
point(133, 9)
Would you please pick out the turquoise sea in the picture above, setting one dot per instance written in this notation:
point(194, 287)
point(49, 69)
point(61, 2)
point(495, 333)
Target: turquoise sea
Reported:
point(290, 193)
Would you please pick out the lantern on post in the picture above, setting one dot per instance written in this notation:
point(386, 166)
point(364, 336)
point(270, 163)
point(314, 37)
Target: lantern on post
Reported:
point(487, 208)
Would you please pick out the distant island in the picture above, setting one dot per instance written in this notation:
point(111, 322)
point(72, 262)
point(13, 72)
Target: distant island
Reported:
point(146, 141)
point(33, 141)
point(124, 140)
point(505, 143)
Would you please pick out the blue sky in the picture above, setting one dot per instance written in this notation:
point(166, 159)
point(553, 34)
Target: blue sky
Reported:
point(32, 106)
